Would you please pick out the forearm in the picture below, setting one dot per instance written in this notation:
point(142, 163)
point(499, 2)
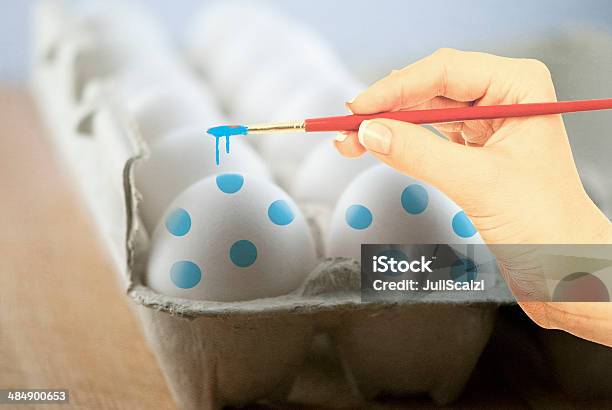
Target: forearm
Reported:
point(588, 320)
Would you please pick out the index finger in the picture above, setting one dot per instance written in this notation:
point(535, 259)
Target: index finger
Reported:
point(458, 75)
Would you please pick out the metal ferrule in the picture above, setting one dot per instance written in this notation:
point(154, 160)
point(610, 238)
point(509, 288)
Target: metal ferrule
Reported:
point(277, 127)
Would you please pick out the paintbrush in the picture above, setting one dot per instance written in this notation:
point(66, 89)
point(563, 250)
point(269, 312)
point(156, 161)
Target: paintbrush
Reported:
point(431, 116)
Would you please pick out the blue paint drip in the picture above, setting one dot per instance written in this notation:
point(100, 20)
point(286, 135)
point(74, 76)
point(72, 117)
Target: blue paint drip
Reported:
point(225, 131)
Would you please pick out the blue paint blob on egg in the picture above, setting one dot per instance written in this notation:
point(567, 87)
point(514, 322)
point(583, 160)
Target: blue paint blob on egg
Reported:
point(462, 225)
point(243, 253)
point(230, 183)
point(358, 217)
point(178, 222)
point(185, 274)
point(415, 199)
point(280, 213)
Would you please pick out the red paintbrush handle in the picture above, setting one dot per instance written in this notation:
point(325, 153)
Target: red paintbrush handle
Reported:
point(440, 115)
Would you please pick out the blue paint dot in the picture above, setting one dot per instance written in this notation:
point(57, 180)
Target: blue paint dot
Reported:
point(230, 183)
point(463, 270)
point(243, 253)
point(415, 199)
point(280, 213)
point(185, 274)
point(358, 216)
point(178, 222)
point(462, 225)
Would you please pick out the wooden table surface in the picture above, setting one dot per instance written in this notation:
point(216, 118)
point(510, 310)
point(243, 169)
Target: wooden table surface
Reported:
point(64, 322)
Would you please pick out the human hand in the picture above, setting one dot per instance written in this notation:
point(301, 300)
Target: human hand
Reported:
point(515, 178)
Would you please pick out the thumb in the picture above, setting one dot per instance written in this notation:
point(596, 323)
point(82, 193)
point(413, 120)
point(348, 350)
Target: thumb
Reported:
point(418, 152)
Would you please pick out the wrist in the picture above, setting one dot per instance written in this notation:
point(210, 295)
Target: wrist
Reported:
point(581, 222)
point(598, 228)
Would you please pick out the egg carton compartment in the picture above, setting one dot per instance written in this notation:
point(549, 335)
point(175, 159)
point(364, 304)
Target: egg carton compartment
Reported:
point(254, 350)
point(232, 353)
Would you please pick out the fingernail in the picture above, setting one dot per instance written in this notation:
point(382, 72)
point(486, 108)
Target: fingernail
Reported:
point(375, 136)
point(341, 136)
point(348, 104)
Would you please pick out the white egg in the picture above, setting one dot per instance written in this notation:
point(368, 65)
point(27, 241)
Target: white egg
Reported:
point(279, 71)
point(325, 95)
point(141, 77)
point(115, 25)
point(137, 80)
point(183, 157)
point(232, 66)
point(208, 30)
point(230, 238)
point(90, 61)
point(169, 106)
point(104, 40)
point(272, 86)
point(122, 24)
point(265, 37)
point(382, 206)
point(286, 151)
point(325, 174)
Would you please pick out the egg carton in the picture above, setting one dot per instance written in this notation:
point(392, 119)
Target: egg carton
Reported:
point(233, 353)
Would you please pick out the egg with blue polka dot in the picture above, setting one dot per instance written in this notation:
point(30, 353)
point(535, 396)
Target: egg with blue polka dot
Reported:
point(230, 237)
point(181, 158)
point(383, 206)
